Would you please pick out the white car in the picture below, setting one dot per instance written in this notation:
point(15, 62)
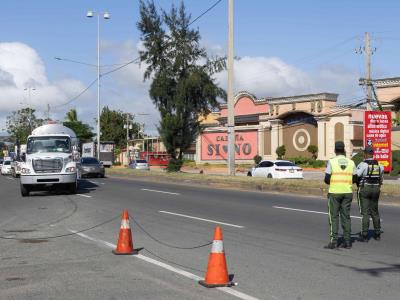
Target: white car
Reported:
point(280, 169)
point(6, 168)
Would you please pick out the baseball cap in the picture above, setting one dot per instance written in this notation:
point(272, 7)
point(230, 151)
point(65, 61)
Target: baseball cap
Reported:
point(339, 146)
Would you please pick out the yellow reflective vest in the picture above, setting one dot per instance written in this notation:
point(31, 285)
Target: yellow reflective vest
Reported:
point(342, 175)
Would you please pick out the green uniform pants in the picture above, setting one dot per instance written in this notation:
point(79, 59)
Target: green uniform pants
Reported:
point(368, 196)
point(339, 204)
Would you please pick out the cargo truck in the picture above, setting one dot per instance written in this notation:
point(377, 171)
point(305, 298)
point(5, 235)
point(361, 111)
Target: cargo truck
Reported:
point(50, 160)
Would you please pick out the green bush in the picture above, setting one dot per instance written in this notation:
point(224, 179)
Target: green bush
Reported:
point(396, 156)
point(300, 160)
point(174, 165)
point(281, 151)
point(318, 163)
point(313, 150)
point(257, 159)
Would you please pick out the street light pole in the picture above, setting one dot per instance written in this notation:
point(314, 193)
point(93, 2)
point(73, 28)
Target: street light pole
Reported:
point(231, 112)
point(106, 16)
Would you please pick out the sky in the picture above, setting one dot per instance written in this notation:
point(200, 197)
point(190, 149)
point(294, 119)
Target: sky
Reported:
point(283, 47)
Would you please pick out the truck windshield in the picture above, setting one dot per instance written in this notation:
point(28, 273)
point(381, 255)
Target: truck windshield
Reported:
point(49, 144)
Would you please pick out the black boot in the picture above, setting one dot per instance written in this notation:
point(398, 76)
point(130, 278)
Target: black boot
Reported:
point(377, 236)
point(363, 238)
point(331, 245)
point(347, 245)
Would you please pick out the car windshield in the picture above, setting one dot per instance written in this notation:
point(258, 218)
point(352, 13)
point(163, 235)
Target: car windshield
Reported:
point(6, 163)
point(89, 161)
point(49, 144)
point(284, 164)
point(141, 161)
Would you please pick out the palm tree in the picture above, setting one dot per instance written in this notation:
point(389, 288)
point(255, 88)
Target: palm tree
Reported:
point(71, 115)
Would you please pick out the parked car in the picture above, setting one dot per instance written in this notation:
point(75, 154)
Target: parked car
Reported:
point(6, 168)
point(1, 163)
point(280, 169)
point(139, 164)
point(91, 167)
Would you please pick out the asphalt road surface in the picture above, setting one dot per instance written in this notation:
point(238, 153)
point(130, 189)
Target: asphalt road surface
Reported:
point(274, 245)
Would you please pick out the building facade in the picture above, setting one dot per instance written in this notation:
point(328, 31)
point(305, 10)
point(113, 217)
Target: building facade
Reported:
point(262, 125)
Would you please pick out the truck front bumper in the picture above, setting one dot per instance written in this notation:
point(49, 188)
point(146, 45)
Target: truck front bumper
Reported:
point(48, 178)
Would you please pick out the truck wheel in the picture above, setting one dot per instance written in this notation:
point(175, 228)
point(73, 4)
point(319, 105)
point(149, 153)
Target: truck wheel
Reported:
point(24, 190)
point(73, 188)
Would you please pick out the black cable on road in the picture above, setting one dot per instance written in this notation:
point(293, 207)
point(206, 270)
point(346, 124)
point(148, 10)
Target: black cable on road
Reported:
point(61, 235)
point(169, 245)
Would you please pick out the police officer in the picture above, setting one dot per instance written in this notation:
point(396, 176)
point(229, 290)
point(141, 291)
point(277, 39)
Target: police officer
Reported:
point(370, 177)
point(340, 174)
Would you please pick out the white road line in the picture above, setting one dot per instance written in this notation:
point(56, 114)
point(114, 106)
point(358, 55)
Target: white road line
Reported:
point(189, 275)
point(201, 219)
point(82, 195)
point(10, 178)
point(147, 190)
point(310, 211)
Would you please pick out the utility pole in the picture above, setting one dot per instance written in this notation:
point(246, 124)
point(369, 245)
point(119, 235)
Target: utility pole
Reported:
point(48, 112)
point(231, 113)
point(368, 53)
point(128, 127)
point(367, 81)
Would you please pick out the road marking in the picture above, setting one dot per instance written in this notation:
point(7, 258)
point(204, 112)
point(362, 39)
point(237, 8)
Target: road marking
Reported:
point(201, 219)
point(310, 211)
point(10, 178)
point(160, 192)
point(95, 182)
point(189, 275)
point(82, 195)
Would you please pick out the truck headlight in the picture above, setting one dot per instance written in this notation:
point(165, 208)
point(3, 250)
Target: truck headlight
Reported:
point(70, 170)
point(25, 171)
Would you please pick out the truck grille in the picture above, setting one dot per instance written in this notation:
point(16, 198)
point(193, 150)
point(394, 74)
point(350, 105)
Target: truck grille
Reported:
point(47, 165)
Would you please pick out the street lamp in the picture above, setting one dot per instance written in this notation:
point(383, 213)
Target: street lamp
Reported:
point(106, 16)
point(29, 89)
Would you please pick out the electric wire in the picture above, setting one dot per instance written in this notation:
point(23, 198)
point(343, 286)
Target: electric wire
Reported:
point(61, 235)
point(77, 96)
point(166, 244)
point(206, 11)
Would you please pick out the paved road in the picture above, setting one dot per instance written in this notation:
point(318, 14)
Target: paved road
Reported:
point(274, 245)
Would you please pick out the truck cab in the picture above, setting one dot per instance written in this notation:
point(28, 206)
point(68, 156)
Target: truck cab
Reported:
point(50, 160)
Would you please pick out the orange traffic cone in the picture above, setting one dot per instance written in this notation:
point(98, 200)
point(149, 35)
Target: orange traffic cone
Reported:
point(125, 244)
point(217, 273)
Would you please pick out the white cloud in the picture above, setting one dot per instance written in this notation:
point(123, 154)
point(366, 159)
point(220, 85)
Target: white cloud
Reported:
point(23, 82)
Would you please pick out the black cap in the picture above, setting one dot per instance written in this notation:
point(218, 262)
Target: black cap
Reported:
point(339, 146)
point(369, 150)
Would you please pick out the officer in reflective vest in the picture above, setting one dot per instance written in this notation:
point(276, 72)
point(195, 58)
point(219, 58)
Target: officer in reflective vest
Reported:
point(340, 174)
point(370, 177)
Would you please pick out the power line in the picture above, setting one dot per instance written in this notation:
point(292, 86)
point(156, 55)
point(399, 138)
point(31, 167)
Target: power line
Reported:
point(206, 11)
point(120, 67)
point(77, 96)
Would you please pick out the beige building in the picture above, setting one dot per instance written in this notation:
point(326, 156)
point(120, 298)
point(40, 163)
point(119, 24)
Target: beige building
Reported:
point(263, 124)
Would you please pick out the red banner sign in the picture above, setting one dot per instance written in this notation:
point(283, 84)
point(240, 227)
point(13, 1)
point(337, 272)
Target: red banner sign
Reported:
point(214, 146)
point(377, 134)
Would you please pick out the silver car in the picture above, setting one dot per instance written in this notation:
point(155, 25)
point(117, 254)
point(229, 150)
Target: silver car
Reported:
point(139, 164)
point(91, 167)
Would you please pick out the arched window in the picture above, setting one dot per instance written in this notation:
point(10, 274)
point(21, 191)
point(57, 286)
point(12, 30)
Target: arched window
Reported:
point(339, 132)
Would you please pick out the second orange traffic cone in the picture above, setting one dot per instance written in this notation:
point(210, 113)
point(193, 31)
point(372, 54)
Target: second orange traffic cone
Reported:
point(217, 272)
point(125, 242)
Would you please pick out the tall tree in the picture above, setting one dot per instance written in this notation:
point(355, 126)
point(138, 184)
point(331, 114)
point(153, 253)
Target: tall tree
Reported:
point(83, 131)
point(71, 116)
point(112, 126)
point(182, 89)
point(20, 124)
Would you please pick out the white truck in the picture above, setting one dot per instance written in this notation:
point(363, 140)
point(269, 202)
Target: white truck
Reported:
point(50, 160)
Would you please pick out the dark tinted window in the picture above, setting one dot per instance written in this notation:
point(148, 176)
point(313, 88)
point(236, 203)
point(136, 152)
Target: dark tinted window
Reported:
point(7, 162)
point(141, 161)
point(285, 164)
point(89, 160)
point(266, 164)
